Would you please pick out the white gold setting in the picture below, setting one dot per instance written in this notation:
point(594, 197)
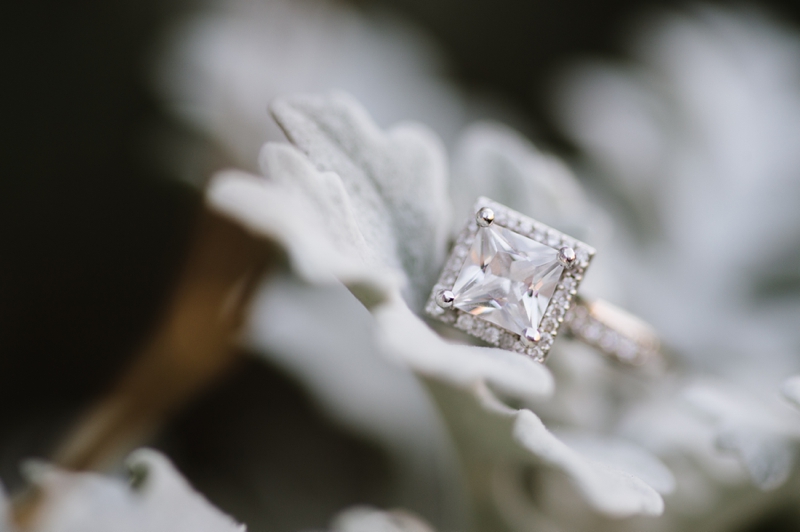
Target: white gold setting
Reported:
point(444, 298)
point(513, 282)
point(564, 256)
point(618, 334)
point(485, 217)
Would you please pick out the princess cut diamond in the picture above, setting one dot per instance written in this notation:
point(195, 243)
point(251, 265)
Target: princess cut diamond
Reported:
point(507, 279)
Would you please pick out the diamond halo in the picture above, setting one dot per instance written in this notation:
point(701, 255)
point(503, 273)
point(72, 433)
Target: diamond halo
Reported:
point(507, 280)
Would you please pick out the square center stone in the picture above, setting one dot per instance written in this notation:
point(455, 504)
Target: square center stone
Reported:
point(507, 279)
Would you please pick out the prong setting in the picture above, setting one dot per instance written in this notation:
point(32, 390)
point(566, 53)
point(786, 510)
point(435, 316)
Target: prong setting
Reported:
point(531, 335)
point(485, 217)
point(444, 310)
point(445, 298)
point(566, 256)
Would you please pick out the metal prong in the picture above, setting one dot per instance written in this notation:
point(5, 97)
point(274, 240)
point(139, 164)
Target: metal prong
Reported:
point(485, 217)
point(445, 298)
point(566, 256)
point(531, 335)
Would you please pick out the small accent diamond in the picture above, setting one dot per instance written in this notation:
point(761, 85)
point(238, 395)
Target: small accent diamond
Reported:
point(546, 341)
point(553, 239)
point(626, 350)
point(507, 341)
point(491, 335)
point(592, 331)
point(465, 321)
point(536, 352)
point(557, 312)
point(549, 324)
point(582, 255)
point(609, 341)
point(568, 283)
point(561, 297)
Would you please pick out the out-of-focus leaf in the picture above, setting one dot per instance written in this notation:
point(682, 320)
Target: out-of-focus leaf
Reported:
point(156, 499)
point(763, 441)
point(226, 61)
point(791, 390)
point(698, 134)
point(495, 161)
point(621, 455)
point(485, 429)
point(365, 519)
point(405, 337)
point(325, 338)
point(489, 432)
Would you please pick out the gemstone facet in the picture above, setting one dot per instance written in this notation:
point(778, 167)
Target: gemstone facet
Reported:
point(509, 286)
point(507, 279)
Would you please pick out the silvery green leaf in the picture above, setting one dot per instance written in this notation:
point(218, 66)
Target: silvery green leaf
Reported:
point(696, 138)
point(365, 519)
point(356, 386)
point(489, 431)
point(348, 377)
point(407, 338)
point(791, 390)
point(466, 383)
point(394, 194)
point(495, 161)
point(768, 456)
point(155, 499)
point(621, 455)
point(597, 99)
point(294, 206)
point(697, 132)
point(396, 180)
point(764, 441)
point(610, 490)
point(224, 61)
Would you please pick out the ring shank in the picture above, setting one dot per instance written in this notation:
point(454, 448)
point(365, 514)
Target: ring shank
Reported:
point(615, 332)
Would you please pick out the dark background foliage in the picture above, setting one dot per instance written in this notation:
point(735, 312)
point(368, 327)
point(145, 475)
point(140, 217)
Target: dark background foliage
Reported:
point(93, 232)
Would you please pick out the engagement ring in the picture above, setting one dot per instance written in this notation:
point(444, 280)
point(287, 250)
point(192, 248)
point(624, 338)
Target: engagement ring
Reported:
point(513, 282)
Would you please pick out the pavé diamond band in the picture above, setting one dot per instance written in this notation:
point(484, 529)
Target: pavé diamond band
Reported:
point(513, 281)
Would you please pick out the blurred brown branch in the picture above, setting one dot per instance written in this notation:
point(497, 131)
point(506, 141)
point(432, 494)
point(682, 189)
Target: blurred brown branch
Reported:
point(191, 347)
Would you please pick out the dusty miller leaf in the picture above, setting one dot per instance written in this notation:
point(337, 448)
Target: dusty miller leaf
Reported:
point(461, 380)
point(365, 519)
point(761, 440)
point(621, 455)
point(406, 337)
point(157, 499)
point(791, 390)
point(495, 161)
point(392, 202)
point(396, 180)
point(309, 214)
